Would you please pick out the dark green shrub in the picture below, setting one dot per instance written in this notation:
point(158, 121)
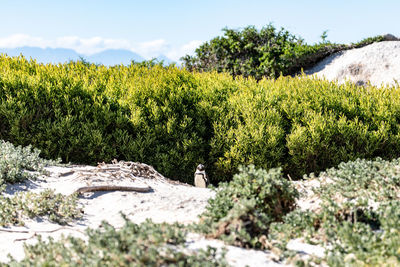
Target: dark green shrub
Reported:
point(243, 209)
point(248, 52)
point(263, 53)
point(87, 114)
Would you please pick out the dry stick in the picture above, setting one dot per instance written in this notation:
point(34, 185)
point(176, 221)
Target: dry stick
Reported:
point(48, 231)
point(24, 239)
point(15, 231)
point(111, 188)
point(37, 232)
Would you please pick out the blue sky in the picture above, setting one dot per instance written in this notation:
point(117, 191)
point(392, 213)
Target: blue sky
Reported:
point(177, 27)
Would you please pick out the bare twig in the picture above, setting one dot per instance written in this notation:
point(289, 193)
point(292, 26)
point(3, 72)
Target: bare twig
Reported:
point(14, 231)
point(40, 231)
point(24, 239)
point(35, 233)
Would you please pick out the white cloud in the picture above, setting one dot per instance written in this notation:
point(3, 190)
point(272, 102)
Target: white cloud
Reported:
point(88, 46)
point(18, 40)
point(186, 49)
point(152, 48)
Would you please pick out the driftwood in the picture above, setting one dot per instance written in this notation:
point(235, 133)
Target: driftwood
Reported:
point(86, 189)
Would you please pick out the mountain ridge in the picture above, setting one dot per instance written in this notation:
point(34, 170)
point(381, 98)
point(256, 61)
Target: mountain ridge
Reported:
point(108, 57)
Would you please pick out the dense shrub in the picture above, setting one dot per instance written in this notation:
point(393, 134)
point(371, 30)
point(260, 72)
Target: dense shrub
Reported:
point(305, 125)
point(243, 209)
point(86, 113)
point(262, 53)
point(174, 119)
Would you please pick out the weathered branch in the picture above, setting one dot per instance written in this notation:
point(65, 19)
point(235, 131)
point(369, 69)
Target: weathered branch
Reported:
point(112, 188)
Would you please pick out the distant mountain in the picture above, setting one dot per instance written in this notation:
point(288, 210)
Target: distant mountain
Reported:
point(60, 55)
point(114, 57)
point(166, 60)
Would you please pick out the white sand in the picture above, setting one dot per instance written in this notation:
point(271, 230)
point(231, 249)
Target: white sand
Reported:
point(378, 63)
point(168, 202)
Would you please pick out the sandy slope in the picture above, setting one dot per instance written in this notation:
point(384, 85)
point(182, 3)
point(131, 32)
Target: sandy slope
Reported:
point(168, 202)
point(378, 63)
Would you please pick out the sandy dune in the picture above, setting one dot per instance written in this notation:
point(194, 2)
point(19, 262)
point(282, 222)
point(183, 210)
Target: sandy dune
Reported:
point(378, 63)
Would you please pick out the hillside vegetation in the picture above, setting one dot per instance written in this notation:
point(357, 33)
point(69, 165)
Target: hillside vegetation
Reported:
point(174, 119)
point(267, 52)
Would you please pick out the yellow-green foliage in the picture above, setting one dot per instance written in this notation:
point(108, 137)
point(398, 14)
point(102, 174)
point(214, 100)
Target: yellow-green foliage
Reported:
point(305, 125)
point(174, 119)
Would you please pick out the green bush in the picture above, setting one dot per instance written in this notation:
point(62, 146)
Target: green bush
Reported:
point(248, 52)
point(263, 53)
point(305, 125)
point(87, 114)
point(243, 209)
point(173, 119)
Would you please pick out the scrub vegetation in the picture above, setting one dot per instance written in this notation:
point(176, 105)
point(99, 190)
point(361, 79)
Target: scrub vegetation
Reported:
point(264, 136)
point(174, 119)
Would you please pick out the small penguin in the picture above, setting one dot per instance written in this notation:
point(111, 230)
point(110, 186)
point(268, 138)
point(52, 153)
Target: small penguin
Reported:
point(200, 177)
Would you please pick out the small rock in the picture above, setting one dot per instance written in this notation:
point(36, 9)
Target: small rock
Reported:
point(390, 37)
point(304, 248)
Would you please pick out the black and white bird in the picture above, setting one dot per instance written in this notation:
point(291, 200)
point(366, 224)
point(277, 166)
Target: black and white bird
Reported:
point(200, 177)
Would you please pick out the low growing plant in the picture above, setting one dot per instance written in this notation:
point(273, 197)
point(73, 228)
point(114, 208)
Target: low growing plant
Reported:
point(19, 163)
point(56, 208)
point(16, 165)
point(146, 244)
point(358, 221)
point(243, 209)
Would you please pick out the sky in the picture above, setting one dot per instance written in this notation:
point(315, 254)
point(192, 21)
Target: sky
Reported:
point(175, 28)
